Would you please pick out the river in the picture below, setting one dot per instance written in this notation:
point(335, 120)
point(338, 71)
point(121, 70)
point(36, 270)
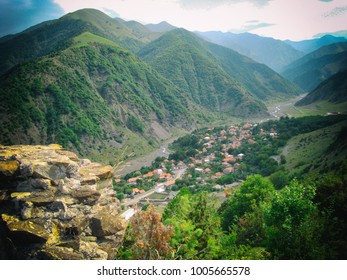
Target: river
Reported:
point(137, 163)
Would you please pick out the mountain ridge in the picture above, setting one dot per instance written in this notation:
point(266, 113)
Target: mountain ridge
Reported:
point(276, 54)
point(332, 90)
point(181, 57)
point(308, 46)
point(257, 79)
point(92, 95)
point(309, 71)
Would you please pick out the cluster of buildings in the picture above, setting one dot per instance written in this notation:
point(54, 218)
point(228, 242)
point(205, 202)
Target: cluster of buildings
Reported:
point(217, 145)
point(217, 157)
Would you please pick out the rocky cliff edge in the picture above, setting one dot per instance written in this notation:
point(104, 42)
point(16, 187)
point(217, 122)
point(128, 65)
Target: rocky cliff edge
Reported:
point(54, 205)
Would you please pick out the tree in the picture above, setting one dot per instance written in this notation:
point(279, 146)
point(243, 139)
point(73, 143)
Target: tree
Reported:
point(196, 225)
point(255, 190)
point(147, 238)
point(279, 179)
point(288, 222)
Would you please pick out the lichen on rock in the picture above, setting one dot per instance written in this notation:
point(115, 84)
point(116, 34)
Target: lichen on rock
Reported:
point(56, 206)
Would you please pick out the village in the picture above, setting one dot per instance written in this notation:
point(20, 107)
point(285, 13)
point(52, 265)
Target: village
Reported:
point(216, 166)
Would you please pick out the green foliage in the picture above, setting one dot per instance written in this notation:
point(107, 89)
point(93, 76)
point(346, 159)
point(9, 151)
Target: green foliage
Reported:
point(185, 147)
point(186, 61)
point(77, 97)
point(196, 225)
point(135, 124)
point(279, 179)
point(251, 193)
point(287, 222)
point(331, 199)
point(309, 71)
point(257, 78)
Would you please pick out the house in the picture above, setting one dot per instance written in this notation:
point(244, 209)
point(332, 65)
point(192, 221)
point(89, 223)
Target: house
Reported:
point(229, 158)
point(135, 191)
point(200, 170)
point(218, 187)
point(132, 181)
point(170, 183)
point(218, 174)
point(165, 176)
point(160, 190)
point(228, 170)
point(147, 175)
point(157, 171)
point(128, 214)
point(240, 156)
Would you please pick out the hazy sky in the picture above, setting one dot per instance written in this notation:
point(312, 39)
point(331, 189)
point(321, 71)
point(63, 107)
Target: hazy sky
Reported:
point(281, 19)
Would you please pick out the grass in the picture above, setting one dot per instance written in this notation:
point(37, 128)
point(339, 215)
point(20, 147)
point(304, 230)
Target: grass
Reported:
point(323, 107)
point(310, 151)
point(86, 38)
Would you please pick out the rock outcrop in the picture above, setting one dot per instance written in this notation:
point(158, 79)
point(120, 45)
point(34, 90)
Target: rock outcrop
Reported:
point(54, 205)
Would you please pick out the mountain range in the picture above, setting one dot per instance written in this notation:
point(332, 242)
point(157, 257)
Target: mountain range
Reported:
point(105, 87)
point(308, 46)
point(312, 69)
point(275, 54)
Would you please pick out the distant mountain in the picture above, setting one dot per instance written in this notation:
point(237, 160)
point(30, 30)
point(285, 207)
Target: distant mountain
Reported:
point(332, 90)
point(307, 46)
point(49, 36)
point(261, 81)
point(142, 32)
point(183, 58)
point(161, 27)
point(309, 71)
point(93, 96)
point(274, 53)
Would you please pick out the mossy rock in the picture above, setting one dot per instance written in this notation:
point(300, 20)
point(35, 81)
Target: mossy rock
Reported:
point(9, 167)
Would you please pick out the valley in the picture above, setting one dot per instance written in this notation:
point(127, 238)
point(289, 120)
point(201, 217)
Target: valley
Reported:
point(276, 110)
point(121, 140)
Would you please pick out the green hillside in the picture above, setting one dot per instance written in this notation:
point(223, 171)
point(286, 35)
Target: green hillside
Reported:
point(332, 91)
point(94, 97)
point(49, 36)
point(312, 69)
point(258, 79)
point(183, 58)
point(320, 151)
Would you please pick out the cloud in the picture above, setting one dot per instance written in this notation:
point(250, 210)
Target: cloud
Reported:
point(203, 4)
point(338, 11)
point(251, 25)
point(17, 15)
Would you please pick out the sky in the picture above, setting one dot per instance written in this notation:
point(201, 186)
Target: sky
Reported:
point(281, 19)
